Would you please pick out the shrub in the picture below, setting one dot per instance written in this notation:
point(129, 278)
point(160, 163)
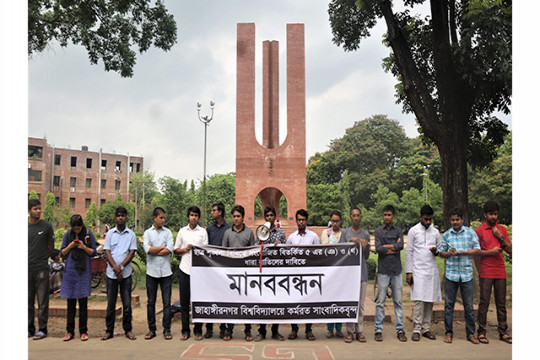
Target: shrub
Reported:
point(371, 268)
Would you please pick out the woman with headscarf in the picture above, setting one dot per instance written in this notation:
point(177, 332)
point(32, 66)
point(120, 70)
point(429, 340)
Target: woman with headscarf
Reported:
point(78, 246)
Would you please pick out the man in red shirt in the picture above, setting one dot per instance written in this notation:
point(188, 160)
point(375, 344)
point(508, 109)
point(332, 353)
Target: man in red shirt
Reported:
point(493, 240)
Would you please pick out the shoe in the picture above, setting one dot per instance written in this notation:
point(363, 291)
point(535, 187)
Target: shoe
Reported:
point(415, 336)
point(208, 334)
point(339, 334)
point(329, 334)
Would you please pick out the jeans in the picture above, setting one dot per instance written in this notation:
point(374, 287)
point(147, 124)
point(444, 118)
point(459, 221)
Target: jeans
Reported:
point(499, 293)
point(38, 284)
point(185, 299)
point(83, 315)
point(330, 326)
point(262, 329)
point(125, 295)
point(450, 292)
point(151, 291)
point(396, 281)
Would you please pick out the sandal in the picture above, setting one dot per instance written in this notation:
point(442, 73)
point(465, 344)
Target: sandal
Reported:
point(84, 337)
point(68, 337)
point(107, 336)
point(259, 337)
point(506, 338)
point(130, 335)
point(448, 338)
point(198, 337)
point(401, 336)
point(150, 335)
point(293, 335)
point(378, 336)
point(278, 336)
point(483, 339)
point(329, 334)
point(428, 334)
point(248, 336)
point(471, 338)
point(339, 334)
point(167, 335)
point(40, 335)
point(227, 336)
point(184, 336)
point(349, 339)
point(415, 336)
point(360, 337)
point(310, 336)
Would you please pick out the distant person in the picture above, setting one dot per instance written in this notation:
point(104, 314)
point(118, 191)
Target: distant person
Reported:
point(120, 246)
point(459, 246)
point(332, 235)
point(302, 236)
point(423, 243)
point(356, 234)
point(78, 246)
point(389, 243)
point(40, 247)
point(56, 272)
point(215, 231)
point(189, 236)
point(493, 239)
point(158, 245)
point(239, 235)
point(277, 236)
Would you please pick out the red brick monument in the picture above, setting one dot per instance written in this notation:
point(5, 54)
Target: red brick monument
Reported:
point(270, 170)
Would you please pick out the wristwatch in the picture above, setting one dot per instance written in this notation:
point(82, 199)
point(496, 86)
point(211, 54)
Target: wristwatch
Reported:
point(121, 267)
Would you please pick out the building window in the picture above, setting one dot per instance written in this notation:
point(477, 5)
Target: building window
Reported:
point(130, 167)
point(88, 183)
point(138, 167)
point(34, 175)
point(88, 163)
point(35, 152)
point(103, 183)
point(57, 159)
point(117, 184)
point(56, 181)
point(103, 164)
point(73, 161)
point(72, 202)
point(103, 201)
point(57, 200)
point(87, 203)
point(118, 166)
point(72, 181)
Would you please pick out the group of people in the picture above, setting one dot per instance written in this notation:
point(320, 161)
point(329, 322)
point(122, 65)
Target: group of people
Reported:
point(460, 246)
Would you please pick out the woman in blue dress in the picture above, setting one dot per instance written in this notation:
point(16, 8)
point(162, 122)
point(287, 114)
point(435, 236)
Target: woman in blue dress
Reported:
point(78, 246)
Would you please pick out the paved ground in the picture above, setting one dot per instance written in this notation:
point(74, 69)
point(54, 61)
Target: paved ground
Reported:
point(122, 348)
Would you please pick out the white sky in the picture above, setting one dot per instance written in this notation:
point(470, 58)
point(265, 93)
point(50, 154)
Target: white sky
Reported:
point(153, 114)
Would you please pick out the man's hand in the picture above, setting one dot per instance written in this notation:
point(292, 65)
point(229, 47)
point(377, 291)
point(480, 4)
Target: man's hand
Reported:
point(116, 268)
point(453, 251)
point(189, 247)
point(364, 242)
point(355, 240)
point(433, 250)
point(409, 279)
point(496, 250)
point(496, 232)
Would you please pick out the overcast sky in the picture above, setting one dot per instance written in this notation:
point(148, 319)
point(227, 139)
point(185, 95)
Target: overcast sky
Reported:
point(153, 114)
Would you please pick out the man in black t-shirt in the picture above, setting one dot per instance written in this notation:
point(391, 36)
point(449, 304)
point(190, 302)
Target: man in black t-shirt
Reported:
point(40, 246)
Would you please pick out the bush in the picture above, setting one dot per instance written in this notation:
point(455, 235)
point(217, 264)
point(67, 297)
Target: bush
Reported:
point(371, 268)
point(58, 237)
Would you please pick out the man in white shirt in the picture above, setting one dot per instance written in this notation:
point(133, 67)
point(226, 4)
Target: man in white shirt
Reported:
point(158, 245)
point(423, 242)
point(187, 237)
point(302, 236)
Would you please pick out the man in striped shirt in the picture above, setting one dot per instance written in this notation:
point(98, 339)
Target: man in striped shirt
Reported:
point(459, 246)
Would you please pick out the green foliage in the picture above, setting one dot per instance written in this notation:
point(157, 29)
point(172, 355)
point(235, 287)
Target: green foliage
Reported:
point(219, 187)
point(322, 199)
point(175, 199)
point(50, 205)
point(108, 29)
point(371, 268)
point(62, 214)
point(58, 237)
point(374, 216)
point(33, 195)
point(91, 215)
point(142, 187)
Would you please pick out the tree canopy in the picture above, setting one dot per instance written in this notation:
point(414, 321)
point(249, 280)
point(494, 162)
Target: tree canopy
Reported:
point(108, 29)
point(454, 70)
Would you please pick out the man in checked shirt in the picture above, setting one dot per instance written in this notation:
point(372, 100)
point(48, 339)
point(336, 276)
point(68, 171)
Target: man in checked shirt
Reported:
point(459, 246)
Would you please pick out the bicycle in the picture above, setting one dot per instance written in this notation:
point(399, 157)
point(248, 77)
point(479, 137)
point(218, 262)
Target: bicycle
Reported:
point(99, 271)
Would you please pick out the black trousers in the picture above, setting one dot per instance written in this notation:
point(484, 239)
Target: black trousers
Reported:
point(38, 285)
point(185, 299)
point(83, 315)
point(152, 284)
point(125, 295)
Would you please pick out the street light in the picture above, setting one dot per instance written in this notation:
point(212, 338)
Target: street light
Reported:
point(205, 120)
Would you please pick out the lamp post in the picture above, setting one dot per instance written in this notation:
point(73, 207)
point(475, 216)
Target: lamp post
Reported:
point(205, 120)
point(425, 174)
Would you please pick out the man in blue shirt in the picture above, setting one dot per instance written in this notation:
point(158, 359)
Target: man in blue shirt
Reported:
point(459, 246)
point(158, 245)
point(120, 246)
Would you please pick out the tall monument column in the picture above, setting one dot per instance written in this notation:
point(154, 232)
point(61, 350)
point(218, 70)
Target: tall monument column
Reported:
point(270, 169)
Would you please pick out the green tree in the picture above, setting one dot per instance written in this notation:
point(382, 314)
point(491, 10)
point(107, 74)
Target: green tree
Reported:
point(50, 205)
point(63, 214)
point(219, 187)
point(322, 199)
point(175, 199)
point(373, 217)
point(91, 215)
point(143, 187)
point(108, 29)
point(454, 70)
point(33, 195)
